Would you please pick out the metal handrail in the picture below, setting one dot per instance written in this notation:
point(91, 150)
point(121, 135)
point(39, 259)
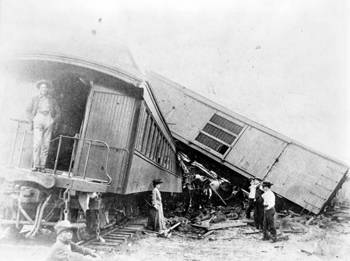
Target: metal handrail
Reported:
point(87, 157)
point(76, 138)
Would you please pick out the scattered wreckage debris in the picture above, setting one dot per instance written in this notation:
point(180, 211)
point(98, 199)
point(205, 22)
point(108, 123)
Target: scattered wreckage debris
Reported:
point(203, 216)
point(210, 222)
point(234, 223)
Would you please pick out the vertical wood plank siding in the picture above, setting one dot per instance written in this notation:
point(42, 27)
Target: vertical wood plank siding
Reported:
point(110, 120)
point(255, 152)
point(305, 177)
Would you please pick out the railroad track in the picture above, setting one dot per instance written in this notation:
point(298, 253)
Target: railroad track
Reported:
point(110, 238)
point(115, 236)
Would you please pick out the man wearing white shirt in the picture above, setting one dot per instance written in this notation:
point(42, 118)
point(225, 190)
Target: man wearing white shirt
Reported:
point(251, 197)
point(269, 212)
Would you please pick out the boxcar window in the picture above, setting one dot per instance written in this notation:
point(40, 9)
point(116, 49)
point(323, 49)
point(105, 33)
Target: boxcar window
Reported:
point(154, 142)
point(169, 157)
point(141, 129)
point(146, 133)
point(166, 156)
point(171, 160)
point(150, 139)
point(159, 147)
point(219, 133)
point(161, 150)
point(174, 161)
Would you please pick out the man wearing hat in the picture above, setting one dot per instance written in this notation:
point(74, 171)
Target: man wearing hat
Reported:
point(156, 220)
point(42, 113)
point(65, 249)
point(269, 213)
point(254, 182)
point(259, 206)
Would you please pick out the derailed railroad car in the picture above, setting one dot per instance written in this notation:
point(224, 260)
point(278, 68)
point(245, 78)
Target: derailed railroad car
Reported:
point(109, 145)
point(239, 148)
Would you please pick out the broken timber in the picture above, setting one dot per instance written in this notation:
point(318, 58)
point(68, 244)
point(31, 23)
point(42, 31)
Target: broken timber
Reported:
point(235, 223)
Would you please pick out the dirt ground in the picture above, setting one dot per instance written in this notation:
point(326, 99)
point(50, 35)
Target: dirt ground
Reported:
point(226, 244)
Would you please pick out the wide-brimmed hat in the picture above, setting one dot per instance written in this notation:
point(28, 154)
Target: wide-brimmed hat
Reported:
point(39, 83)
point(63, 225)
point(157, 181)
point(267, 184)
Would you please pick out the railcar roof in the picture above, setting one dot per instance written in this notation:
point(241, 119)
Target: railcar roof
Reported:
point(85, 47)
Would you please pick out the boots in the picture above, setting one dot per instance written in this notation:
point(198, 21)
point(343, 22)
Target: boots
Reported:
point(266, 237)
point(273, 239)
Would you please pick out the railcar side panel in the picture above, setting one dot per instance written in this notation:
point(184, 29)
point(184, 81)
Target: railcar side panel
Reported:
point(154, 111)
point(255, 152)
point(305, 177)
point(110, 120)
point(199, 114)
point(154, 155)
point(143, 172)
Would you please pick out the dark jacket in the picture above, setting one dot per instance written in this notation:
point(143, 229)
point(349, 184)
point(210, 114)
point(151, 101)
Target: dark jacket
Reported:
point(258, 198)
point(62, 251)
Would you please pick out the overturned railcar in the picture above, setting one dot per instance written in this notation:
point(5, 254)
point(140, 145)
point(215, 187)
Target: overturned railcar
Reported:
point(109, 145)
point(237, 145)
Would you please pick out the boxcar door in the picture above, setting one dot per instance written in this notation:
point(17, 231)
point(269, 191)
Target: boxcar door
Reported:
point(109, 118)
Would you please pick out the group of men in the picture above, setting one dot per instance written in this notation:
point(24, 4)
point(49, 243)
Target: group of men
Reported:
point(262, 201)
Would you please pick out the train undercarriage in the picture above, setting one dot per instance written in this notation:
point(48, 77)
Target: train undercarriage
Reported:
point(30, 204)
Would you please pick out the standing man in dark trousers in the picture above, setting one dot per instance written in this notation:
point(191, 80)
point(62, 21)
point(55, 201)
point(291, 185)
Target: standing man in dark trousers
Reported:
point(259, 206)
point(269, 213)
point(42, 113)
point(251, 197)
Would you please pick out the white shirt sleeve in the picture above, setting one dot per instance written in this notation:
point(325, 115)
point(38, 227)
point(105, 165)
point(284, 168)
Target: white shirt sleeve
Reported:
point(252, 191)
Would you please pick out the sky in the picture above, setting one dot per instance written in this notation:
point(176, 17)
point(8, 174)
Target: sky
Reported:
point(283, 64)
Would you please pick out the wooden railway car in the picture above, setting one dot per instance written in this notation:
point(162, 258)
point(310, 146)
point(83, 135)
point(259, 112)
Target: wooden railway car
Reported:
point(239, 148)
point(111, 142)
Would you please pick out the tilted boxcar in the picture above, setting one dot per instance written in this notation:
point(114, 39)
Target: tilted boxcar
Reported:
point(241, 148)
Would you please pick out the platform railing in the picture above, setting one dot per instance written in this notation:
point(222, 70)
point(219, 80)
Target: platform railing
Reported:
point(90, 143)
point(76, 138)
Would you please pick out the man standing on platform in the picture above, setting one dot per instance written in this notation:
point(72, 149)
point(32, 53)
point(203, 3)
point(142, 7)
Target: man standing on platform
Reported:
point(42, 113)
